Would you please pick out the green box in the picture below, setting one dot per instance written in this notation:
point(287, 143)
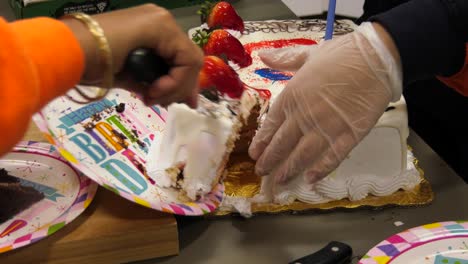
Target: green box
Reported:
point(57, 8)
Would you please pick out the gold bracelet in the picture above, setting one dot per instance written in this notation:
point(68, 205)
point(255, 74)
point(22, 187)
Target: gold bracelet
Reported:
point(105, 53)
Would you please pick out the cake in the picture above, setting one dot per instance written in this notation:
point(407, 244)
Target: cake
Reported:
point(379, 165)
point(196, 144)
point(15, 198)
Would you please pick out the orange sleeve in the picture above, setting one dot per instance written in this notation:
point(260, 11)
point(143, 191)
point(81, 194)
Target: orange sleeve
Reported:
point(40, 59)
point(459, 81)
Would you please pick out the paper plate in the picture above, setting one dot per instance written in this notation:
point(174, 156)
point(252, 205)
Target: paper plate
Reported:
point(110, 147)
point(437, 243)
point(67, 194)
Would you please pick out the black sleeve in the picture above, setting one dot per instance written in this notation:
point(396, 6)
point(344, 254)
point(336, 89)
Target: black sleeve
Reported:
point(430, 35)
point(374, 7)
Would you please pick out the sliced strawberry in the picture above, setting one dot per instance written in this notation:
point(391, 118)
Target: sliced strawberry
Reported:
point(221, 15)
point(219, 75)
point(222, 44)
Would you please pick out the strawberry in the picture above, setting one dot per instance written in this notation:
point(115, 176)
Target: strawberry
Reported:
point(221, 15)
point(222, 44)
point(219, 75)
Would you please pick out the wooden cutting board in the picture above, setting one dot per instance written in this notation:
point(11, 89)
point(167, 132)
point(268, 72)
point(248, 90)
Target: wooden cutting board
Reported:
point(111, 230)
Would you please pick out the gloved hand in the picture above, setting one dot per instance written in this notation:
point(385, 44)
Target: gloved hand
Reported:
point(340, 90)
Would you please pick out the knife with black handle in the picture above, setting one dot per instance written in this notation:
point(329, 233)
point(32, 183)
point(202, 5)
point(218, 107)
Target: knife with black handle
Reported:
point(333, 253)
point(144, 66)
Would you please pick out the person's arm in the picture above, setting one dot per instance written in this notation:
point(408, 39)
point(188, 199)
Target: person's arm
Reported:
point(40, 59)
point(430, 36)
point(374, 7)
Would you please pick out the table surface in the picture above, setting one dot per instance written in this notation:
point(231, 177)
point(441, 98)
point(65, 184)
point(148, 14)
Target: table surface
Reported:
point(283, 238)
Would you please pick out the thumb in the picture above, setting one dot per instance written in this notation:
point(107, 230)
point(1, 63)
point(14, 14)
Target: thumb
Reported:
point(285, 59)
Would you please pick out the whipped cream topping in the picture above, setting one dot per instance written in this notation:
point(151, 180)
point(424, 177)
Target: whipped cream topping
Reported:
point(195, 142)
point(237, 204)
point(196, 139)
point(354, 188)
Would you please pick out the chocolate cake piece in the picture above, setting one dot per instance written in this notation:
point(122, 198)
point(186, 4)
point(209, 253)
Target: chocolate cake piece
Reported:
point(5, 178)
point(15, 198)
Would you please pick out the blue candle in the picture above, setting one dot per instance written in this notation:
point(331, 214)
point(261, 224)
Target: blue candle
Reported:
point(330, 19)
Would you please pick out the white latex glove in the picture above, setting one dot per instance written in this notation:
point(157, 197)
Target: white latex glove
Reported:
point(340, 90)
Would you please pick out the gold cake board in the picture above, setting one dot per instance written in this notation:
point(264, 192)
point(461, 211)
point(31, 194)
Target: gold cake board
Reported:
point(241, 181)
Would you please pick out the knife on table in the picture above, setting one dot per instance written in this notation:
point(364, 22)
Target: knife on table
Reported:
point(333, 253)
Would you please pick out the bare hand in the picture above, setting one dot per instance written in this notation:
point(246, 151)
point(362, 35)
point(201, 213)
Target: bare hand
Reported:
point(148, 26)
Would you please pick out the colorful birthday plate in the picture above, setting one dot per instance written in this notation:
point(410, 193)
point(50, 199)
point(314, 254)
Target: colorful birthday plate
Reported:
point(109, 140)
point(67, 194)
point(438, 243)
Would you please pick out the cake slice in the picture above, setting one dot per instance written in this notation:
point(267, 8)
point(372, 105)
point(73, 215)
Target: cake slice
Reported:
point(195, 147)
point(15, 198)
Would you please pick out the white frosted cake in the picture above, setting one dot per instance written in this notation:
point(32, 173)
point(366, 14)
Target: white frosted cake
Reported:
point(380, 165)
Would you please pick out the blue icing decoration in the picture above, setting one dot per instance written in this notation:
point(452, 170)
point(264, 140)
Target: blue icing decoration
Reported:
point(273, 75)
point(448, 260)
point(49, 193)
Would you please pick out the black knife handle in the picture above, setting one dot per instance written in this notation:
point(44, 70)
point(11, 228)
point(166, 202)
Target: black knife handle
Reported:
point(144, 66)
point(333, 253)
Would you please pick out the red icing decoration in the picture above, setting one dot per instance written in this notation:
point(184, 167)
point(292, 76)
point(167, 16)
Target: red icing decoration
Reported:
point(280, 43)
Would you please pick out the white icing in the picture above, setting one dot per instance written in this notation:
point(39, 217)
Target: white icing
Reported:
point(234, 65)
point(379, 165)
point(355, 187)
point(236, 204)
point(235, 33)
point(198, 139)
point(195, 139)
